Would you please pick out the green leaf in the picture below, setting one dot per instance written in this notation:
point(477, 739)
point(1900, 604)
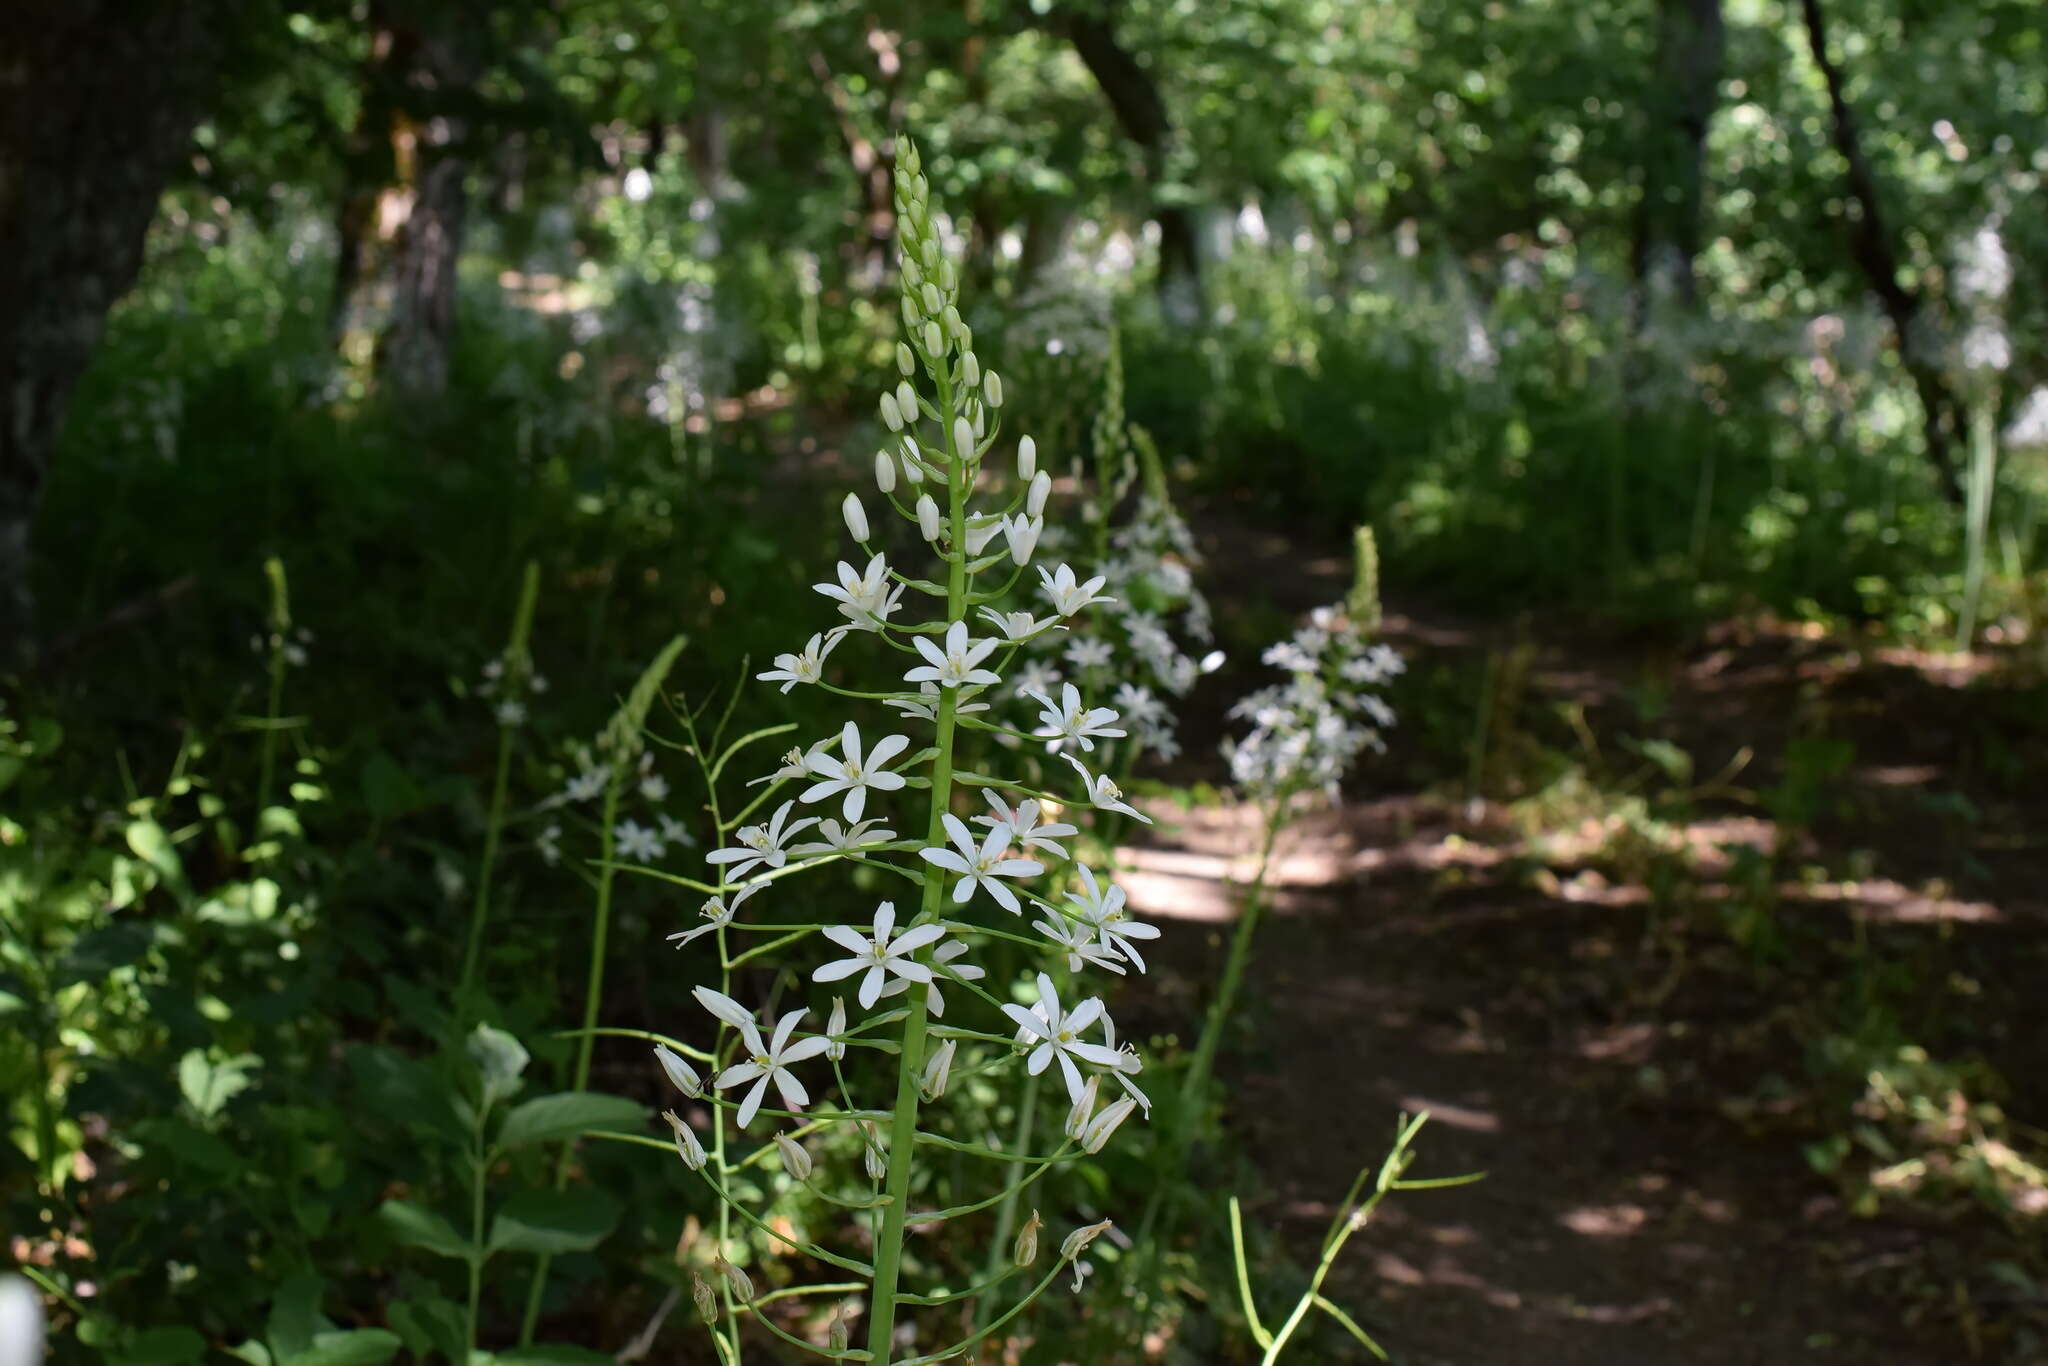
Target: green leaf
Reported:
point(295, 1316)
point(499, 1059)
point(252, 1352)
point(566, 1114)
point(356, 1347)
point(209, 1084)
point(421, 1228)
point(434, 1323)
point(98, 952)
point(554, 1222)
point(160, 1347)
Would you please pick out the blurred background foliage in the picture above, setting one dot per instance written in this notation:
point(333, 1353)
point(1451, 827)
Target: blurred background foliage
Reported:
point(1643, 314)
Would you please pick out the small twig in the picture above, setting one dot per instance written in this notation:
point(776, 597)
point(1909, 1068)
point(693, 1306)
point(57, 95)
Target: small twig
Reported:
point(644, 1341)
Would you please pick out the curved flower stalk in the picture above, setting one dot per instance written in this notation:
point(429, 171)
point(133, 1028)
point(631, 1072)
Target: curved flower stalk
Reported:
point(1307, 733)
point(778, 1077)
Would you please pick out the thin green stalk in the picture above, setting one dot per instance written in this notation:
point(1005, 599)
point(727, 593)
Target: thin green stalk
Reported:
point(1013, 1188)
point(515, 673)
point(1197, 1078)
point(593, 989)
point(903, 1129)
point(477, 1172)
point(280, 626)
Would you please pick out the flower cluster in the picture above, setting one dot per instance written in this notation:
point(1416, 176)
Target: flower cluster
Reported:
point(509, 679)
point(841, 798)
point(1307, 732)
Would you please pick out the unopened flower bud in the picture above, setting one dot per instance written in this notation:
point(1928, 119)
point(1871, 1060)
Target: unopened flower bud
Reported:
point(795, 1160)
point(1027, 458)
point(1077, 1241)
point(963, 438)
point(970, 370)
point(948, 281)
point(905, 361)
point(836, 1336)
point(938, 1069)
point(1083, 1111)
point(835, 1031)
point(681, 1073)
point(963, 334)
point(885, 471)
point(951, 318)
point(872, 1156)
point(1022, 534)
point(906, 399)
point(743, 1289)
point(927, 517)
point(1041, 489)
point(705, 1296)
point(856, 517)
point(1097, 1131)
point(909, 312)
point(691, 1151)
point(892, 416)
point(934, 340)
point(992, 389)
point(913, 468)
point(1025, 1250)
point(934, 304)
point(913, 273)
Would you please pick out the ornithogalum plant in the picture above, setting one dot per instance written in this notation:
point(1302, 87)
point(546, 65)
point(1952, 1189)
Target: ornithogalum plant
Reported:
point(987, 855)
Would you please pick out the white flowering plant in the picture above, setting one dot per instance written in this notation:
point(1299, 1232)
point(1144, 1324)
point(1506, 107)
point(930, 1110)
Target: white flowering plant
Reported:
point(984, 859)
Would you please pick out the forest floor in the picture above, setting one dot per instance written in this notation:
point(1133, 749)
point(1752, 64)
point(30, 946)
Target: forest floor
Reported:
point(1622, 1028)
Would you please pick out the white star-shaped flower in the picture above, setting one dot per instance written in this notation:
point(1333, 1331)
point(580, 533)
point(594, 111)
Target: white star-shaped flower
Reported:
point(866, 598)
point(761, 846)
point(981, 864)
point(1016, 626)
point(806, 666)
point(1077, 941)
point(1068, 596)
point(838, 839)
point(1058, 1035)
point(762, 1062)
point(718, 912)
point(854, 773)
point(632, 840)
point(585, 785)
point(882, 955)
point(1104, 794)
point(1069, 722)
point(1025, 828)
point(956, 664)
point(1103, 908)
point(1088, 652)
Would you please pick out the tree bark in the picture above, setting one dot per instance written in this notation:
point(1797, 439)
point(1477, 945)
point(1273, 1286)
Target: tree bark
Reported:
point(1870, 246)
point(432, 153)
point(1141, 112)
point(1691, 42)
point(97, 103)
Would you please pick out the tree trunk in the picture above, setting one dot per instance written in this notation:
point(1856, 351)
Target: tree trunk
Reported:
point(1871, 247)
point(1141, 112)
point(97, 103)
point(1687, 83)
point(432, 155)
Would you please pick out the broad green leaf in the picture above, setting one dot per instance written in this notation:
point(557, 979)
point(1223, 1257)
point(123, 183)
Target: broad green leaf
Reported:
point(356, 1347)
point(153, 846)
point(209, 1084)
point(554, 1221)
point(295, 1316)
point(431, 1323)
point(566, 1114)
point(424, 1229)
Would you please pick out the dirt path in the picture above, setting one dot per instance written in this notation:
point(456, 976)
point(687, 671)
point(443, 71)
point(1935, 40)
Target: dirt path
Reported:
point(1647, 1198)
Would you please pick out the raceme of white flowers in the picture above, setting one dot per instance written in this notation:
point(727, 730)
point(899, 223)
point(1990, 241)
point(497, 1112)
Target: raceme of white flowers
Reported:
point(940, 603)
point(1307, 732)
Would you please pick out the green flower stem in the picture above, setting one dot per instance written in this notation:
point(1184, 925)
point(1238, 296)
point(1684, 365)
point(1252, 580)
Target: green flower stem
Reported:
point(957, 1348)
point(1013, 1189)
point(1000, 1245)
point(516, 671)
point(593, 989)
point(280, 627)
point(477, 1172)
point(1218, 1017)
point(903, 1130)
